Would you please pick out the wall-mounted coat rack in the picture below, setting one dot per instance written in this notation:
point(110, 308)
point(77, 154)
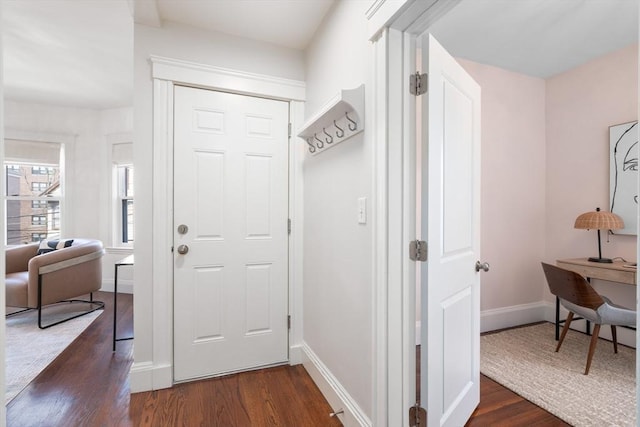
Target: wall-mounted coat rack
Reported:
point(339, 119)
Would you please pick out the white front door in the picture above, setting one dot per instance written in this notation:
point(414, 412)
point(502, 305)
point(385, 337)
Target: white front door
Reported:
point(231, 259)
point(450, 309)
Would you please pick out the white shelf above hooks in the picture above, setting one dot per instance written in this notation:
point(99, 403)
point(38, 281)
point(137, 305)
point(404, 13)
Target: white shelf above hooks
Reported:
point(340, 119)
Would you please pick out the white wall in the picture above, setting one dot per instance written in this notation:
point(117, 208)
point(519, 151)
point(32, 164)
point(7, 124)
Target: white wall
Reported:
point(337, 250)
point(189, 44)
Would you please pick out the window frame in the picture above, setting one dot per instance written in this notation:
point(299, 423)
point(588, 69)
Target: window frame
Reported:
point(114, 221)
point(66, 143)
point(46, 218)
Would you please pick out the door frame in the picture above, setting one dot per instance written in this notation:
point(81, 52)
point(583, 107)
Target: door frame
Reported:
point(393, 28)
point(167, 73)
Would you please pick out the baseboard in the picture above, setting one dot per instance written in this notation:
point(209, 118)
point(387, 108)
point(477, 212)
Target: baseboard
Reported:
point(124, 286)
point(145, 376)
point(333, 391)
point(295, 355)
point(515, 315)
point(506, 317)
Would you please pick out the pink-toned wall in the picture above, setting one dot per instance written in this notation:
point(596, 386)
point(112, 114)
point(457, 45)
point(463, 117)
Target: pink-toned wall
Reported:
point(513, 185)
point(545, 160)
point(581, 105)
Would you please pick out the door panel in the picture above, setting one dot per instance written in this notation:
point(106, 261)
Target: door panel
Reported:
point(231, 190)
point(451, 217)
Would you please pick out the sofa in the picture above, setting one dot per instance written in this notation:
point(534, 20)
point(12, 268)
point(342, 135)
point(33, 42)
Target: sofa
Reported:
point(66, 270)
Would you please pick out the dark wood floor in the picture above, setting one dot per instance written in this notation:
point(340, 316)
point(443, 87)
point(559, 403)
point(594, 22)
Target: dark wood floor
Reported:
point(87, 385)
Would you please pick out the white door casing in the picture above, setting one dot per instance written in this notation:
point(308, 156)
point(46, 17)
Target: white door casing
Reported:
point(231, 191)
point(451, 218)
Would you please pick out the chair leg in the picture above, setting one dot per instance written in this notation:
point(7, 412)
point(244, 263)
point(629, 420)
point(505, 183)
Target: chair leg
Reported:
point(565, 329)
point(592, 346)
point(614, 337)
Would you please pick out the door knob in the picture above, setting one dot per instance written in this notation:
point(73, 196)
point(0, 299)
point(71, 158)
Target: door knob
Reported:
point(484, 266)
point(183, 249)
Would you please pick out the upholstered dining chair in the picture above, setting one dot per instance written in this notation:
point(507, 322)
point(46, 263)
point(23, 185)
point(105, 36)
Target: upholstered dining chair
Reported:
point(577, 296)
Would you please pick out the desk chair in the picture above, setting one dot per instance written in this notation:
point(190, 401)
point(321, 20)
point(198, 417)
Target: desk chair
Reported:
point(577, 296)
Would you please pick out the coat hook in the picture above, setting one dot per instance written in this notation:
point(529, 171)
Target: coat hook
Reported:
point(355, 125)
point(319, 144)
point(312, 148)
point(339, 132)
point(329, 138)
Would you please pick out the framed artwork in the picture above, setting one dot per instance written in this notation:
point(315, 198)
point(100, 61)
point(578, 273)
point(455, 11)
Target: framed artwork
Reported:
point(623, 174)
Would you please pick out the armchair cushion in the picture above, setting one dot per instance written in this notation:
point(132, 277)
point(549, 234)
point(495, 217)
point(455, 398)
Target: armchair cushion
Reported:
point(51, 245)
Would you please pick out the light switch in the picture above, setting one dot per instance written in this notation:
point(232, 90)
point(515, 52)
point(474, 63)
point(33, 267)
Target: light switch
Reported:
point(362, 210)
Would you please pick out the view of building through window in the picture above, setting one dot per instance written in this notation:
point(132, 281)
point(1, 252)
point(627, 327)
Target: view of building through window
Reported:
point(125, 195)
point(33, 197)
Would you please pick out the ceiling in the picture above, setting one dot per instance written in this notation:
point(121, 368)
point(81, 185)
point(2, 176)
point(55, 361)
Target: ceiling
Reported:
point(68, 52)
point(80, 52)
point(537, 37)
point(288, 23)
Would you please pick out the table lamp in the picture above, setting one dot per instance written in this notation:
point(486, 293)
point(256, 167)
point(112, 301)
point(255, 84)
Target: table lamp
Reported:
point(599, 220)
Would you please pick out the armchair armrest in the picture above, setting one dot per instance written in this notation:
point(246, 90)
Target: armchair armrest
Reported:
point(66, 273)
point(62, 258)
point(17, 257)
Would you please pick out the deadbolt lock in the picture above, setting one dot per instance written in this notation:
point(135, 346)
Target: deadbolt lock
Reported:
point(183, 229)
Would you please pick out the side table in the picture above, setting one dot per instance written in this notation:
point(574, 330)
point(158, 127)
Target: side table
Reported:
point(124, 261)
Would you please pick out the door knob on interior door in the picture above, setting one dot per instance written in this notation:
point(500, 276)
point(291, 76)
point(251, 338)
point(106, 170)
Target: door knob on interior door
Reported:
point(484, 266)
point(183, 249)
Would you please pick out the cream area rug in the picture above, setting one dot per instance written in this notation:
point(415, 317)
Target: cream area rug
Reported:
point(524, 360)
point(29, 349)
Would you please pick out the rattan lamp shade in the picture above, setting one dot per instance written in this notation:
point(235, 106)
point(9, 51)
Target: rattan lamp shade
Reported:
point(599, 220)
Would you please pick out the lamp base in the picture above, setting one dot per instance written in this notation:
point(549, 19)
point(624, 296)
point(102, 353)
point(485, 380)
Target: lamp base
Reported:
point(603, 260)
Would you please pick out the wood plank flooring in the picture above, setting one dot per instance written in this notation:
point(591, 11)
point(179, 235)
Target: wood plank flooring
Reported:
point(87, 385)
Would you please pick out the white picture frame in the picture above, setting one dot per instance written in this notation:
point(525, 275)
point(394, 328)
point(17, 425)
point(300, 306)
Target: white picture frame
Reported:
point(623, 175)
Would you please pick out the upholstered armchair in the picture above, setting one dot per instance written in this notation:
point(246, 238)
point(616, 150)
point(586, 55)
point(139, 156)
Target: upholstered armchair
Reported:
point(34, 281)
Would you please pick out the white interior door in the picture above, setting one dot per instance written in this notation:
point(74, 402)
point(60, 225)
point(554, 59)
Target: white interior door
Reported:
point(450, 206)
point(230, 262)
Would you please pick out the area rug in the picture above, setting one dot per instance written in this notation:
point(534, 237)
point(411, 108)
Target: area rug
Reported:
point(524, 360)
point(29, 349)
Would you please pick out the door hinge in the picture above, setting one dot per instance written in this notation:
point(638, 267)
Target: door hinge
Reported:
point(418, 250)
point(289, 130)
point(289, 321)
point(418, 83)
point(289, 226)
point(417, 416)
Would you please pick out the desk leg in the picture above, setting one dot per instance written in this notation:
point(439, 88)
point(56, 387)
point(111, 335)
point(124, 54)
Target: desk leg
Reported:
point(557, 318)
point(115, 304)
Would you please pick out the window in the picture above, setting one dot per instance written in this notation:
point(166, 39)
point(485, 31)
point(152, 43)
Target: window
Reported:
point(122, 191)
point(38, 220)
point(125, 198)
point(36, 237)
point(41, 170)
point(33, 193)
point(39, 186)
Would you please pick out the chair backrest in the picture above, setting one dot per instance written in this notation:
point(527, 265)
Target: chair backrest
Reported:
point(571, 287)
